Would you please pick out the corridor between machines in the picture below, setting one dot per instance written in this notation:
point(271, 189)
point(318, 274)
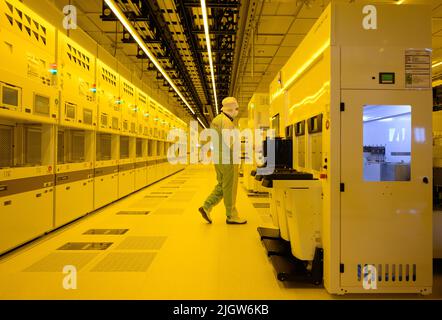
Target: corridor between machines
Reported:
point(168, 253)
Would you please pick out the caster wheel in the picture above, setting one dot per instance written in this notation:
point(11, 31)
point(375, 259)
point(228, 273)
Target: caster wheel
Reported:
point(282, 277)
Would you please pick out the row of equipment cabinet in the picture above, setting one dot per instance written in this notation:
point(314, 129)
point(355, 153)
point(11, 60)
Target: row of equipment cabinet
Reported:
point(77, 129)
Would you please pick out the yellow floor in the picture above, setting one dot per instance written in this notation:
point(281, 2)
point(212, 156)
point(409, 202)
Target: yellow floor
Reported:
point(191, 259)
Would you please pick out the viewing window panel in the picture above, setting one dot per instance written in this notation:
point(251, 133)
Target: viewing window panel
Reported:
point(10, 96)
point(41, 104)
point(124, 147)
point(139, 148)
point(160, 148)
point(6, 146)
point(104, 146)
point(300, 143)
point(77, 146)
point(71, 146)
point(387, 142)
point(60, 147)
point(315, 140)
point(151, 148)
point(33, 155)
point(275, 124)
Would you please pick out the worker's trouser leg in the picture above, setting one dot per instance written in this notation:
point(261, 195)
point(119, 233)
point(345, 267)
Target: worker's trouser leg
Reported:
point(227, 176)
point(217, 194)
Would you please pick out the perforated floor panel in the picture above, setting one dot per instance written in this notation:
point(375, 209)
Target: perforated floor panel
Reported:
point(169, 211)
point(156, 196)
point(55, 262)
point(125, 262)
point(133, 213)
point(261, 205)
point(142, 243)
point(106, 231)
point(146, 203)
point(85, 246)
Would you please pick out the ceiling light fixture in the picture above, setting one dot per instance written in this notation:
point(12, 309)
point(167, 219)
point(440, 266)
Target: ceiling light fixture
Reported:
point(202, 124)
point(436, 64)
point(209, 50)
point(119, 14)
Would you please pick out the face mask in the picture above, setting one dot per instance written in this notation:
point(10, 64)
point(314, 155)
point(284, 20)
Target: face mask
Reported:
point(235, 114)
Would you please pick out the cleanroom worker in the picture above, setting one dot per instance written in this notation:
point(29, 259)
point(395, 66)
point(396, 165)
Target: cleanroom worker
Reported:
point(226, 169)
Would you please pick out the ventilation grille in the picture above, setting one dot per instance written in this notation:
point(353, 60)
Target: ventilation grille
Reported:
point(391, 272)
point(142, 97)
point(35, 30)
point(128, 89)
point(109, 77)
point(78, 57)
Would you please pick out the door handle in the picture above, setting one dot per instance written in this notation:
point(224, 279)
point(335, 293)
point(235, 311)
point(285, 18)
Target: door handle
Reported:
point(425, 180)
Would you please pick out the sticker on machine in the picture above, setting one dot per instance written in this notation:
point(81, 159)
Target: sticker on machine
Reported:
point(420, 81)
point(418, 68)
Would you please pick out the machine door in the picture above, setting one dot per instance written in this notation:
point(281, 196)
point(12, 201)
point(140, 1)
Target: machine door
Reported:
point(386, 185)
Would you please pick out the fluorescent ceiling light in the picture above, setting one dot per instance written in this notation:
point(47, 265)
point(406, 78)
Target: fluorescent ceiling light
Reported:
point(400, 1)
point(209, 50)
point(436, 64)
point(119, 14)
point(202, 124)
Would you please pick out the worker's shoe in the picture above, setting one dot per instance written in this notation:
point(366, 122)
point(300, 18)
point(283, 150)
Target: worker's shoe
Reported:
point(236, 220)
point(206, 215)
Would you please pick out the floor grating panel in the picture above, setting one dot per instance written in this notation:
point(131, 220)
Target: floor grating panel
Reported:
point(55, 262)
point(142, 243)
point(125, 262)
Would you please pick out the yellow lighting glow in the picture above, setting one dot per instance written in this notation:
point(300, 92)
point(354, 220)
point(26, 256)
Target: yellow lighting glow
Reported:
point(302, 69)
point(209, 50)
point(116, 10)
point(436, 64)
point(400, 2)
point(313, 98)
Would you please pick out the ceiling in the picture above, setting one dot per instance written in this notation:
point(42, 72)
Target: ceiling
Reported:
point(251, 41)
point(277, 29)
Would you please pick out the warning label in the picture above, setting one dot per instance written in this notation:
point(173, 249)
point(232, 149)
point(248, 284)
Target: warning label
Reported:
point(418, 68)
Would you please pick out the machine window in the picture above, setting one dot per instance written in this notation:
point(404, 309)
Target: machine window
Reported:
point(6, 146)
point(300, 143)
point(104, 146)
point(41, 104)
point(9, 96)
point(387, 142)
point(139, 148)
point(33, 146)
point(124, 147)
